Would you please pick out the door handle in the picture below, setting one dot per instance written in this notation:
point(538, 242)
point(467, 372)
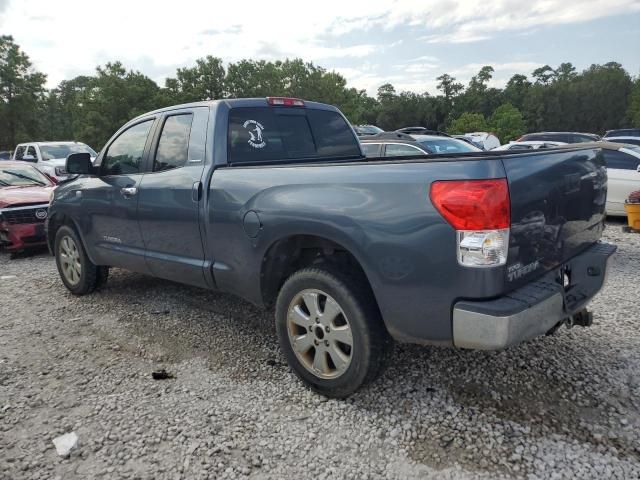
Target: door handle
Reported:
point(128, 192)
point(196, 191)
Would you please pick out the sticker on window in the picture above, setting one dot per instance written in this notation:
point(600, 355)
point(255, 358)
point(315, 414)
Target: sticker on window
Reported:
point(255, 129)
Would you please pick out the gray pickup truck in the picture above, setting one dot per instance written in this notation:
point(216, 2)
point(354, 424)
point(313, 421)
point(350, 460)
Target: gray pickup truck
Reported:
point(273, 200)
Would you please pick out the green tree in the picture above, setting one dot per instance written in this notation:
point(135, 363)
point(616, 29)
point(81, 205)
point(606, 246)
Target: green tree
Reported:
point(600, 98)
point(544, 75)
point(448, 86)
point(468, 122)
point(507, 123)
point(204, 81)
point(250, 78)
point(478, 97)
point(634, 105)
point(22, 93)
point(109, 100)
point(565, 72)
point(516, 90)
point(481, 79)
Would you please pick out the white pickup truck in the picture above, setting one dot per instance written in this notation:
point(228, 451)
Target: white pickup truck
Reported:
point(50, 157)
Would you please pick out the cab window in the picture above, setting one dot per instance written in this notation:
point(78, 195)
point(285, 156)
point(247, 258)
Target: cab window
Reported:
point(20, 152)
point(173, 147)
point(124, 155)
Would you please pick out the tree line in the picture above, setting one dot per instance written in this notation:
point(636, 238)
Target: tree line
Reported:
point(90, 108)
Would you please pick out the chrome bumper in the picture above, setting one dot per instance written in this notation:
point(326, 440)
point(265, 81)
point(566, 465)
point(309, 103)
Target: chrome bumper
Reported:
point(532, 310)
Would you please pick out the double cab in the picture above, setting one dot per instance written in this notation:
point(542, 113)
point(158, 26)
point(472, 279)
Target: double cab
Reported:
point(273, 200)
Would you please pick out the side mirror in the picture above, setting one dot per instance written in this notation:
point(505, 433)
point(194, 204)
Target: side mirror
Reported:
point(79, 164)
point(29, 158)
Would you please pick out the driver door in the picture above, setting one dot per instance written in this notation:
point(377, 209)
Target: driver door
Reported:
point(111, 201)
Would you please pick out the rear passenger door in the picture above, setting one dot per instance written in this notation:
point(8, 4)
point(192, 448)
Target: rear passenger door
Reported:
point(170, 197)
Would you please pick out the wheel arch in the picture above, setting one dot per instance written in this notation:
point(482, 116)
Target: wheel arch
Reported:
point(58, 220)
point(291, 253)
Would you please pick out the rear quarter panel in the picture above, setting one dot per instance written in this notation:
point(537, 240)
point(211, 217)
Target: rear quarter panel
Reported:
point(379, 211)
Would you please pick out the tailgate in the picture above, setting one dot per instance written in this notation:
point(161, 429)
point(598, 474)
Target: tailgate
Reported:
point(557, 208)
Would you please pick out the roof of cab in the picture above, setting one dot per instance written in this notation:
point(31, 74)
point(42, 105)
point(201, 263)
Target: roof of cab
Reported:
point(237, 103)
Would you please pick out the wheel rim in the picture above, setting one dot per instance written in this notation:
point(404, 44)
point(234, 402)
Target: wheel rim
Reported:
point(320, 334)
point(70, 260)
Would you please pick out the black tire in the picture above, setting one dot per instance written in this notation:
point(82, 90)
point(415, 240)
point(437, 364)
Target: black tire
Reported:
point(90, 276)
point(371, 342)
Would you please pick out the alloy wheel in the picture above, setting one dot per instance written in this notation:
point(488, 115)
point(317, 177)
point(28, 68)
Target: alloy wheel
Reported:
point(70, 260)
point(320, 334)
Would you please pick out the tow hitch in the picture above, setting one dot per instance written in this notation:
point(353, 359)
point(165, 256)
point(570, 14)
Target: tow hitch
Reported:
point(584, 318)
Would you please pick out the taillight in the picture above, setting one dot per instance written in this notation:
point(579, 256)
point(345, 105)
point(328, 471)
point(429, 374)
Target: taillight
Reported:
point(285, 101)
point(479, 210)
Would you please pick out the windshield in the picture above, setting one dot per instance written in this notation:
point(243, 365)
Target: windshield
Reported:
point(19, 176)
point(63, 150)
point(448, 145)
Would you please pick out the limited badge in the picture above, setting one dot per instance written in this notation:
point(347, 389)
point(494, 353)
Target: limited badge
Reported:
point(255, 129)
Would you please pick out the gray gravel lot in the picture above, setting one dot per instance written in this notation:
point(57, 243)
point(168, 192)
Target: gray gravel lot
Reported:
point(565, 406)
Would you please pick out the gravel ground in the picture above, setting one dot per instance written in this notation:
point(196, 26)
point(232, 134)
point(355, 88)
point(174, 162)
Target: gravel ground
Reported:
point(565, 406)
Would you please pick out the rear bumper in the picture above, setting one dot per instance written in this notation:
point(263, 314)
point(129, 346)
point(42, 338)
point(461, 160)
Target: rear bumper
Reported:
point(533, 309)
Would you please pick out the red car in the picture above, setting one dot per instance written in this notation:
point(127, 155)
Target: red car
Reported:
point(24, 204)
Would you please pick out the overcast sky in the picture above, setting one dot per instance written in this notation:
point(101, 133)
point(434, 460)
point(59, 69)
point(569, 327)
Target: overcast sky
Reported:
point(408, 43)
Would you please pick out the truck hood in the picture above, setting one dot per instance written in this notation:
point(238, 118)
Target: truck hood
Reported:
point(57, 162)
point(10, 196)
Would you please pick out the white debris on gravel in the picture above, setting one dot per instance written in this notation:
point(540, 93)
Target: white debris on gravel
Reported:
point(64, 443)
point(565, 406)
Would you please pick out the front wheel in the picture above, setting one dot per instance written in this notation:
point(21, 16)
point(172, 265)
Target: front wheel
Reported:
point(330, 330)
point(78, 273)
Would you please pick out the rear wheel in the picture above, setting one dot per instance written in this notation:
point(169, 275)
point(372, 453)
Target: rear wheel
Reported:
point(330, 330)
point(76, 270)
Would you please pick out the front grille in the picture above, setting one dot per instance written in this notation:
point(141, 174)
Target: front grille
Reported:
point(24, 215)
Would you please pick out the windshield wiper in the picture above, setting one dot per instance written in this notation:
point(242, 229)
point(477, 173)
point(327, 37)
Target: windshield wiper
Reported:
point(26, 177)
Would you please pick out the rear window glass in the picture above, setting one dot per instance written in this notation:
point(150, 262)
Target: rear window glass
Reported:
point(266, 134)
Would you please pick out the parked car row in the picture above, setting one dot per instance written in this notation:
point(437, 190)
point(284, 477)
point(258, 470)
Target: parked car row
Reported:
point(621, 152)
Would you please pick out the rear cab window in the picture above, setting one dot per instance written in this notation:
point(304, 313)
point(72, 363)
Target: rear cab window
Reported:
point(267, 134)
